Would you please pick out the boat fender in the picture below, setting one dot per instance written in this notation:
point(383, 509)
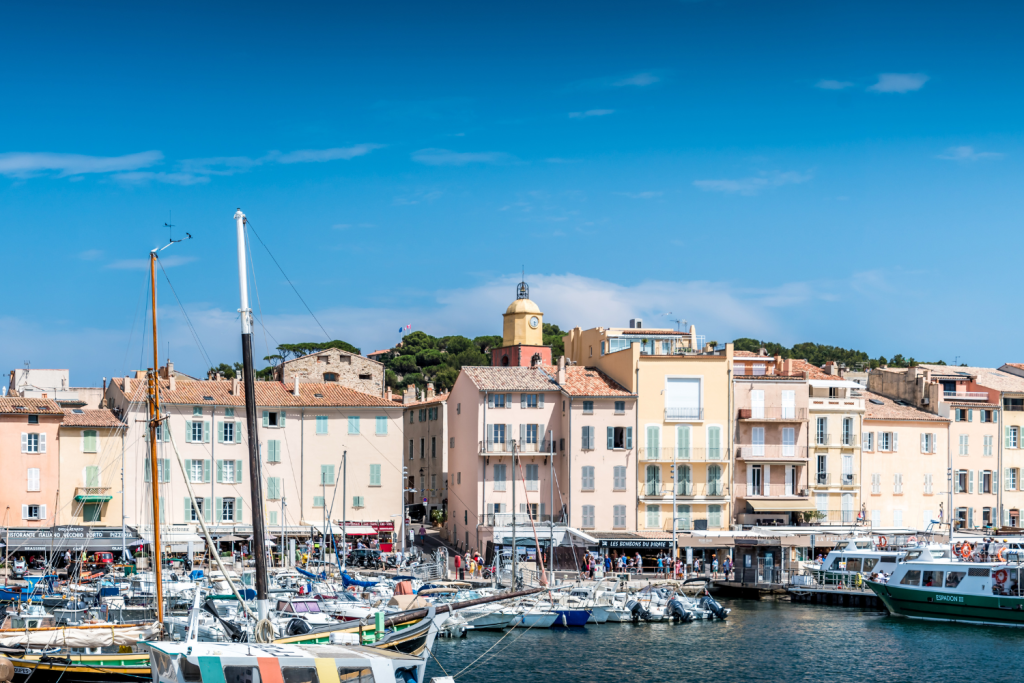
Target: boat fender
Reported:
point(1000, 576)
point(6, 669)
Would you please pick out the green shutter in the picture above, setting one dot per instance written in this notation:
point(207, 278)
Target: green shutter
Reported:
point(188, 431)
point(970, 414)
point(166, 430)
point(374, 475)
point(207, 510)
point(220, 507)
point(187, 510)
point(266, 418)
point(610, 432)
point(220, 475)
point(220, 432)
point(327, 474)
point(629, 437)
point(1006, 442)
point(206, 432)
point(239, 510)
point(163, 511)
point(206, 471)
point(167, 470)
point(147, 471)
point(92, 476)
point(238, 472)
point(89, 439)
point(280, 418)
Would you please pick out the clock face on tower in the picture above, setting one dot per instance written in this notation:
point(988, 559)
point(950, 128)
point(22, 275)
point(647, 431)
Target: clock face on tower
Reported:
point(534, 321)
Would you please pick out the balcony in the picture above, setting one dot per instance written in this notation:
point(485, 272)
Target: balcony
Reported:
point(775, 491)
point(762, 452)
point(684, 414)
point(92, 494)
point(680, 454)
point(833, 518)
point(504, 519)
point(964, 396)
point(491, 447)
point(826, 479)
point(662, 491)
point(773, 414)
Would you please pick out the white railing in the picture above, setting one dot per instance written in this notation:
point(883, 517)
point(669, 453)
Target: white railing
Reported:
point(683, 414)
point(965, 395)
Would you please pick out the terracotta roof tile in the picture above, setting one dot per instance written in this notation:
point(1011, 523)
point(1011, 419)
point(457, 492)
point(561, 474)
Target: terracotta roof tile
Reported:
point(889, 410)
point(271, 394)
point(990, 378)
point(749, 354)
point(584, 381)
point(36, 406)
point(488, 378)
point(437, 399)
point(91, 418)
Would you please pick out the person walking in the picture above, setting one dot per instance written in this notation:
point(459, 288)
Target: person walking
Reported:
point(639, 563)
point(458, 567)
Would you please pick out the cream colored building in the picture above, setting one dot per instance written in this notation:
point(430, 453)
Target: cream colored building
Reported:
point(905, 452)
point(91, 462)
point(683, 424)
point(426, 449)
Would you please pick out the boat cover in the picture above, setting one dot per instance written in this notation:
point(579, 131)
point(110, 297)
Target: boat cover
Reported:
point(319, 577)
point(71, 636)
point(347, 581)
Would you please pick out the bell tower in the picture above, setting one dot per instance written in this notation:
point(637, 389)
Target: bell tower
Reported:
point(522, 335)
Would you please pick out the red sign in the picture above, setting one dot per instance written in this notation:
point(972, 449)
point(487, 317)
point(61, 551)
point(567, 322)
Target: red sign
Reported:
point(383, 526)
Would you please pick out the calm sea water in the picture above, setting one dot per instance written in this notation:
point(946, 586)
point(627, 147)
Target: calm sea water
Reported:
point(761, 641)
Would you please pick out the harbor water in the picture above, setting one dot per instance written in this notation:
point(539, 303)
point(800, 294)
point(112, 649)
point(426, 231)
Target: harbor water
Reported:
point(760, 641)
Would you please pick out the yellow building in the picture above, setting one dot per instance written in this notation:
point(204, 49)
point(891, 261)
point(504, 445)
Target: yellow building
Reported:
point(683, 425)
point(90, 485)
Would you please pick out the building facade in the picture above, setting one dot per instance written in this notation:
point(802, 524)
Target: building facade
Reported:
point(426, 450)
point(30, 447)
point(335, 366)
point(91, 464)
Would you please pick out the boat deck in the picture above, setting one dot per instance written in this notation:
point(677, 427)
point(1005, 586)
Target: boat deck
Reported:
point(831, 595)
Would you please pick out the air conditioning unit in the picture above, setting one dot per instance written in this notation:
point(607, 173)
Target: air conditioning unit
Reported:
point(925, 401)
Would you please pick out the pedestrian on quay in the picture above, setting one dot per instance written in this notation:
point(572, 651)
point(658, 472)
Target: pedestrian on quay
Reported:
point(714, 566)
point(608, 564)
point(458, 567)
point(639, 563)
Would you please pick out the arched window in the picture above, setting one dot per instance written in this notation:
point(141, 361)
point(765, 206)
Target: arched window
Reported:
point(330, 377)
point(504, 360)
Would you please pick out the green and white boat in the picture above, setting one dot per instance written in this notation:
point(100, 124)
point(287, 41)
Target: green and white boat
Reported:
point(937, 588)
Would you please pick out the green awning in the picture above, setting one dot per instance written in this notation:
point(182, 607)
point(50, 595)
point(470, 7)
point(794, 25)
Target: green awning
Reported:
point(93, 499)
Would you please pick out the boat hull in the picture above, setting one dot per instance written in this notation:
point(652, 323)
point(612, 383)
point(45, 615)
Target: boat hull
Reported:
point(939, 605)
point(81, 670)
point(598, 615)
point(571, 617)
point(536, 620)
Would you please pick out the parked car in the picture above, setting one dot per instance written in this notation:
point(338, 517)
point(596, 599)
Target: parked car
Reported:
point(363, 557)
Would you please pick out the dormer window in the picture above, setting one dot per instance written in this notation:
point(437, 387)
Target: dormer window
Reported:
point(330, 377)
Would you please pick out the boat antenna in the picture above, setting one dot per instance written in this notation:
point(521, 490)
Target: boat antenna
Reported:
point(259, 535)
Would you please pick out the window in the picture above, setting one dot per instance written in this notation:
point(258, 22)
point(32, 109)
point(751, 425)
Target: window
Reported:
point(1011, 478)
point(353, 424)
point(451, 442)
point(821, 432)
point(423, 414)
point(985, 482)
point(227, 432)
point(869, 441)
point(715, 516)
point(458, 409)
point(458, 478)
point(714, 443)
point(653, 480)
point(1012, 435)
point(33, 419)
point(528, 400)
point(588, 516)
point(358, 501)
point(433, 447)
point(619, 516)
point(1015, 404)
point(33, 479)
point(964, 444)
point(33, 443)
point(897, 484)
point(433, 482)
point(684, 480)
point(412, 449)
point(273, 517)
point(927, 443)
point(876, 483)
point(90, 439)
point(327, 474)
point(960, 483)
point(33, 511)
point(92, 512)
point(496, 436)
point(330, 377)
point(620, 407)
point(195, 471)
point(885, 442)
point(986, 445)
point(530, 435)
point(532, 477)
point(619, 438)
point(499, 478)
point(928, 490)
point(228, 510)
point(321, 424)
point(499, 400)
point(423, 449)
point(163, 470)
point(847, 431)
point(229, 471)
point(382, 425)
point(587, 478)
point(374, 475)
point(653, 516)
point(318, 501)
point(273, 450)
point(962, 415)
point(229, 412)
point(412, 417)
point(588, 407)
point(619, 478)
point(272, 418)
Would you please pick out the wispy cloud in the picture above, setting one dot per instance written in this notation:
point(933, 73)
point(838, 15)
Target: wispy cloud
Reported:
point(589, 113)
point(640, 195)
point(332, 154)
point(143, 263)
point(752, 186)
point(90, 254)
point(28, 164)
point(827, 84)
point(143, 177)
point(218, 165)
point(640, 80)
point(967, 153)
point(900, 83)
point(445, 157)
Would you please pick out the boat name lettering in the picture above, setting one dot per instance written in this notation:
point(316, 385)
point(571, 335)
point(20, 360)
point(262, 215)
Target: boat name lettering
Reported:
point(949, 598)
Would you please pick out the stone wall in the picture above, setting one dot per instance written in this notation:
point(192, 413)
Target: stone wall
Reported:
point(335, 365)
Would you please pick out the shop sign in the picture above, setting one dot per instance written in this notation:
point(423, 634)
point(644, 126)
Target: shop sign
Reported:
point(635, 544)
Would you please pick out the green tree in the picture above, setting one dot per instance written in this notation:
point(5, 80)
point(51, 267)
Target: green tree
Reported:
point(445, 378)
point(488, 342)
point(229, 372)
point(404, 364)
point(454, 344)
point(428, 357)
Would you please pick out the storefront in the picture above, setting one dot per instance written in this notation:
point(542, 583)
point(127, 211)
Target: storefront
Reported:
point(648, 548)
point(76, 539)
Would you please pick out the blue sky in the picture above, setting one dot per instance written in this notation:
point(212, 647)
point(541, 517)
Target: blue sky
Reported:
point(800, 171)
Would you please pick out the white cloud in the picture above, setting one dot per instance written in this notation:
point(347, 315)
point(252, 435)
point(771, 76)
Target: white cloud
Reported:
point(218, 165)
point(752, 186)
point(28, 164)
point(639, 80)
point(900, 83)
point(143, 263)
point(143, 177)
point(967, 153)
point(827, 84)
point(589, 113)
point(641, 195)
point(90, 254)
point(332, 154)
point(445, 157)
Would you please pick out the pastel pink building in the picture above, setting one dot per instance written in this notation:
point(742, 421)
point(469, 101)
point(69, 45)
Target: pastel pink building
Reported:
point(29, 430)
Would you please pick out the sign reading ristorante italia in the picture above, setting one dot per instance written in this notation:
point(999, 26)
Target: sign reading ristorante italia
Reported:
point(68, 537)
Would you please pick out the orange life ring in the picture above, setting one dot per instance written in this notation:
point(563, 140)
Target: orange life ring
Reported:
point(912, 539)
point(999, 557)
point(882, 541)
point(1000, 576)
point(965, 550)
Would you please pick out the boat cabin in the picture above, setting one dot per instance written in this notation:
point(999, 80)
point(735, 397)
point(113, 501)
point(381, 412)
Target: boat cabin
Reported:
point(299, 606)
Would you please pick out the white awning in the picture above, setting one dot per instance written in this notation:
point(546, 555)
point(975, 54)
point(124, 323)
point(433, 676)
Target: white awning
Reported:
point(823, 383)
point(586, 537)
point(167, 539)
point(739, 534)
point(350, 529)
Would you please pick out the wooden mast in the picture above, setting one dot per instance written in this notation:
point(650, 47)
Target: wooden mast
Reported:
point(153, 377)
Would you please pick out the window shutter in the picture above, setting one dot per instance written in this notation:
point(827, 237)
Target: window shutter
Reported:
point(490, 400)
point(508, 400)
point(42, 512)
point(895, 442)
point(266, 418)
point(924, 444)
point(610, 432)
point(220, 476)
point(750, 480)
point(167, 470)
point(995, 416)
point(206, 432)
point(206, 471)
point(42, 442)
point(238, 472)
point(1006, 437)
point(239, 510)
point(522, 436)
point(165, 430)
point(281, 418)
point(522, 400)
point(187, 510)
point(970, 414)
point(24, 511)
point(629, 437)
point(220, 432)
point(188, 431)
point(207, 510)
point(146, 473)
point(1006, 480)
point(970, 481)
point(220, 506)
point(508, 437)
point(24, 443)
point(540, 404)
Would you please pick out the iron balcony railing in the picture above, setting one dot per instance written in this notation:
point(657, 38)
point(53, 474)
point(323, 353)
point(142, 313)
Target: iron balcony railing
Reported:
point(776, 491)
point(659, 490)
point(773, 413)
point(505, 447)
point(684, 454)
point(684, 414)
point(762, 451)
point(965, 396)
point(828, 479)
point(822, 439)
point(502, 519)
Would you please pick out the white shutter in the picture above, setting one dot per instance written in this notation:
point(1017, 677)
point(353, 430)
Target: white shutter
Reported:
point(757, 403)
point(895, 442)
point(42, 512)
point(924, 443)
point(750, 480)
point(24, 443)
point(42, 444)
point(24, 511)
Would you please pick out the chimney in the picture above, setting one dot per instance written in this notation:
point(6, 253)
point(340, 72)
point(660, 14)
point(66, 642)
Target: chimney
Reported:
point(561, 370)
point(234, 386)
point(430, 390)
point(127, 384)
point(44, 395)
point(389, 396)
point(220, 376)
point(173, 382)
point(295, 390)
point(762, 351)
point(410, 394)
point(170, 368)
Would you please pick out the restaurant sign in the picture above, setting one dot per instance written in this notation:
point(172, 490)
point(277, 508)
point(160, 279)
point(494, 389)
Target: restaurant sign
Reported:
point(635, 544)
point(69, 537)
